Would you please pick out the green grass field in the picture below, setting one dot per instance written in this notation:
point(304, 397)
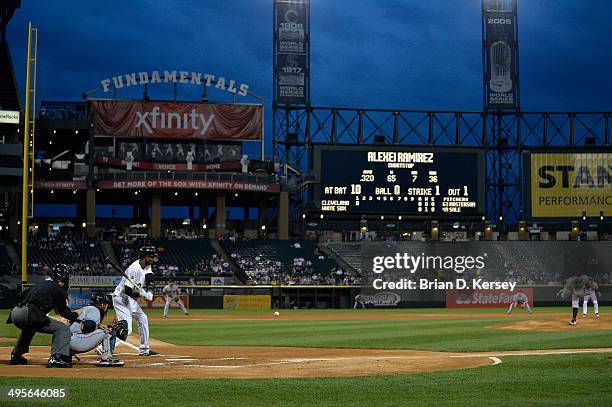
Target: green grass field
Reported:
point(559, 380)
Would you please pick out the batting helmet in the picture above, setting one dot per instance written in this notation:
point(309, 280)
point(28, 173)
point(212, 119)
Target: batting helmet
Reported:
point(147, 251)
point(98, 300)
point(61, 272)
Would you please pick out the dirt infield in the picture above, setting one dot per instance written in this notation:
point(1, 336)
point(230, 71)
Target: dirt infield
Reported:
point(240, 362)
point(243, 362)
point(207, 362)
point(558, 322)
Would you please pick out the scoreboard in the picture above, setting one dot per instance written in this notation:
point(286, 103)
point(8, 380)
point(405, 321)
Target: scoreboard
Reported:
point(400, 179)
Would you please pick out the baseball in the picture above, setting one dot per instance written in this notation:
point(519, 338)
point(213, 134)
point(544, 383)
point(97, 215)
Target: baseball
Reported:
point(276, 313)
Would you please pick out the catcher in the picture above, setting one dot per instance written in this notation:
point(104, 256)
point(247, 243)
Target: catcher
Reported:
point(171, 292)
point(88, 334)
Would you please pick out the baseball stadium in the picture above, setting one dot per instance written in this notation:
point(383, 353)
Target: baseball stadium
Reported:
point(175, 235)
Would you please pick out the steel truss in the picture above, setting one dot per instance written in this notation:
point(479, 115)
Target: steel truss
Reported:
point(504, 137)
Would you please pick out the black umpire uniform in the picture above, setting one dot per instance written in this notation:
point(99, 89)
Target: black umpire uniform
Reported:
point(30, 316)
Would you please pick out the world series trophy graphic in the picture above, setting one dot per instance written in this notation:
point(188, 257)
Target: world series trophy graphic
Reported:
point(500, 55)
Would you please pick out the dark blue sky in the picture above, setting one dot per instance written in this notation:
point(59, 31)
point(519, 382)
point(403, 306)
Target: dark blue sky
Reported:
point(381, 53)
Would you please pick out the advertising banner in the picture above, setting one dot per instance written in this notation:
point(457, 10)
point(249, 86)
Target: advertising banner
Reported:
point(568, 184)
point(159, 301)
point(501, 74)
point(145, 119)
point(190, 184)
point(76, 301)
point(201, 152)
point(149, 166)
point(239, 302)
point(9, 116)
point(95, 280)
point(60, 185)
point(485, 298)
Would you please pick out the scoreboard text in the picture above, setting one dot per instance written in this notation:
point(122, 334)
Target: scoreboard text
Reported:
point(401, 180)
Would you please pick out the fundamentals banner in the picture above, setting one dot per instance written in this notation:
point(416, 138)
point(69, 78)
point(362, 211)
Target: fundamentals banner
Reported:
point(568, 184)
point(501, 73)
point(146, 119)
point(291, 38)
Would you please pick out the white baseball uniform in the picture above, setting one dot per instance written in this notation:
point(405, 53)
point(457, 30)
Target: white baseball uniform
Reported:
point(127, 308)
point(171, 292)
point(590, 295)
point(519, 298)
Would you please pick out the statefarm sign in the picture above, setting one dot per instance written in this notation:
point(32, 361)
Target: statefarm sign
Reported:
point(484, 298)
point(190, 184)
point(147, 119)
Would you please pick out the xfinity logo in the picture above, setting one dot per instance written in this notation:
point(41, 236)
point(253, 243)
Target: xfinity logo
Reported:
point(157, 119)
point(499, 21)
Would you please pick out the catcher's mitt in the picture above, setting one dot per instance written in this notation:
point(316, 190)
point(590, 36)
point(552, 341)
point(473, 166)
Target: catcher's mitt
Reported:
point(120, 329)
point(88, 326)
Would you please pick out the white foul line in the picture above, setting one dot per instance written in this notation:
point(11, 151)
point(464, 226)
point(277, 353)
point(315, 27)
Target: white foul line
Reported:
point(535, 353)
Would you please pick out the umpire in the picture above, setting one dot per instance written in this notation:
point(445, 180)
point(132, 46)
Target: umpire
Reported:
point(30, 315)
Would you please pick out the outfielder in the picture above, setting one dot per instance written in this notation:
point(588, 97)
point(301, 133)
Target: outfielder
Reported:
point(359, 302)
point(519, 299)
point(171, 292)
point(125, 295)
point(591, 293)
point(88, 334)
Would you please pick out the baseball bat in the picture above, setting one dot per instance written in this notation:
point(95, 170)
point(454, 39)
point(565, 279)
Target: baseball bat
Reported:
point(128, 278)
